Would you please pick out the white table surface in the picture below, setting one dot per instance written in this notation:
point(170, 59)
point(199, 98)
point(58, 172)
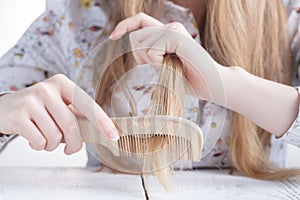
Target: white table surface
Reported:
point(82, 183)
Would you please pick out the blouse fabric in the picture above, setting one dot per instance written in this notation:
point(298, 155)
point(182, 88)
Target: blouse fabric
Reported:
point(61, 38)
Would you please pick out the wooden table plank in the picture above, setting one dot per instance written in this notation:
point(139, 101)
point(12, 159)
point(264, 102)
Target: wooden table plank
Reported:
point(215, 184)
point(82, 183)
point(67, 183)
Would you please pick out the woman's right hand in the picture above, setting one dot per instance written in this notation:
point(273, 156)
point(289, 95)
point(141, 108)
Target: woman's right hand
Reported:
point(44, 114)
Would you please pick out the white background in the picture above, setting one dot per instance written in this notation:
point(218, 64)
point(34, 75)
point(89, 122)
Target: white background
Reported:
point(15, 17)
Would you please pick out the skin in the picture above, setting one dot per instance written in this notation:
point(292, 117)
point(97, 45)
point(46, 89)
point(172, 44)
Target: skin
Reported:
point(261, 111)
point(270, 105)
point(45, 113)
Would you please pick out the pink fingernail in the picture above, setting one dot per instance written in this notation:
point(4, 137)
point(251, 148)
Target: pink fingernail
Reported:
point(114, 135)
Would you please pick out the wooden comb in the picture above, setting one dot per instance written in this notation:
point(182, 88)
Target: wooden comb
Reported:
point(184, 142)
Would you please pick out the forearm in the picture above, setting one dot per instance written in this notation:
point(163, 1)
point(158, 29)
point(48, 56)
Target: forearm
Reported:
point(268, 104)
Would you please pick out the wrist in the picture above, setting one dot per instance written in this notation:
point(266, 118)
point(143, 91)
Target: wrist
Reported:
point(231, 79)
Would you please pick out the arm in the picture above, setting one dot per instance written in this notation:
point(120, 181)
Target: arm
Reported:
point(26, 64)
point(270, 105)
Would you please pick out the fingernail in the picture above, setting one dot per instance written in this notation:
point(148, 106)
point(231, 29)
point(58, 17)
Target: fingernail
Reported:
point(114, 135)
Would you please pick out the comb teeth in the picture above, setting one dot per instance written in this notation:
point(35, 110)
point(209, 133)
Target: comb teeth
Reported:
point(175, 137)
point(132, 145)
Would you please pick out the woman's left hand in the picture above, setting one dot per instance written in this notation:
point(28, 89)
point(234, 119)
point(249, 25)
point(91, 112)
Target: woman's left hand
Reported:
point(151, 40)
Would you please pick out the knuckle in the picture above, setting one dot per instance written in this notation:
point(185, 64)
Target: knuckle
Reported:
point(26, 102)
point(141, 14)
point(139, 17)
point(15, 123)
point(14, 117)
point(59, 78)
point(42, 89)
point(176, 25)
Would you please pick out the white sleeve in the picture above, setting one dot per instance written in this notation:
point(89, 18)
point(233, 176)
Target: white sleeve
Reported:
point(292, 136)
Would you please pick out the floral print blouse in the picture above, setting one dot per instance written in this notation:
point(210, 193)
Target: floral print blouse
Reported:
point(61, 38)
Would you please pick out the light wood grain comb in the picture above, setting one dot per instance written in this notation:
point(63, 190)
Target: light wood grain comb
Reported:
point(184, 140)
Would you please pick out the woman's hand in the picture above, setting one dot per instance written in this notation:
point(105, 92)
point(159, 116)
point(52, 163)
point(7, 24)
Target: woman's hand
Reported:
point(151, 40)
point(44, 114)
point(246, 94)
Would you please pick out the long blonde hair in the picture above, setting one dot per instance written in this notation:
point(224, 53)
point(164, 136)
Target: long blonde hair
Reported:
point(250, 34)
point(253, 35)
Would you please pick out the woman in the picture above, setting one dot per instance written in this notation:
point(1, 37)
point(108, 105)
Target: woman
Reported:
point(252, 35)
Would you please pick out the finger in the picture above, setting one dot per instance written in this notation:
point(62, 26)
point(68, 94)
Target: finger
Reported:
point(32, 134)
point(156, 55)
point(142, 45)
point(167, 43)
point(72, 94)
point(75, 111)
point(138, 21)
point(148, 56)
point(67, 123)
point(177, 28)
point(169, 37)
point(156, 47)
point(157, 41)
point(47, 127)
point(141, 56)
